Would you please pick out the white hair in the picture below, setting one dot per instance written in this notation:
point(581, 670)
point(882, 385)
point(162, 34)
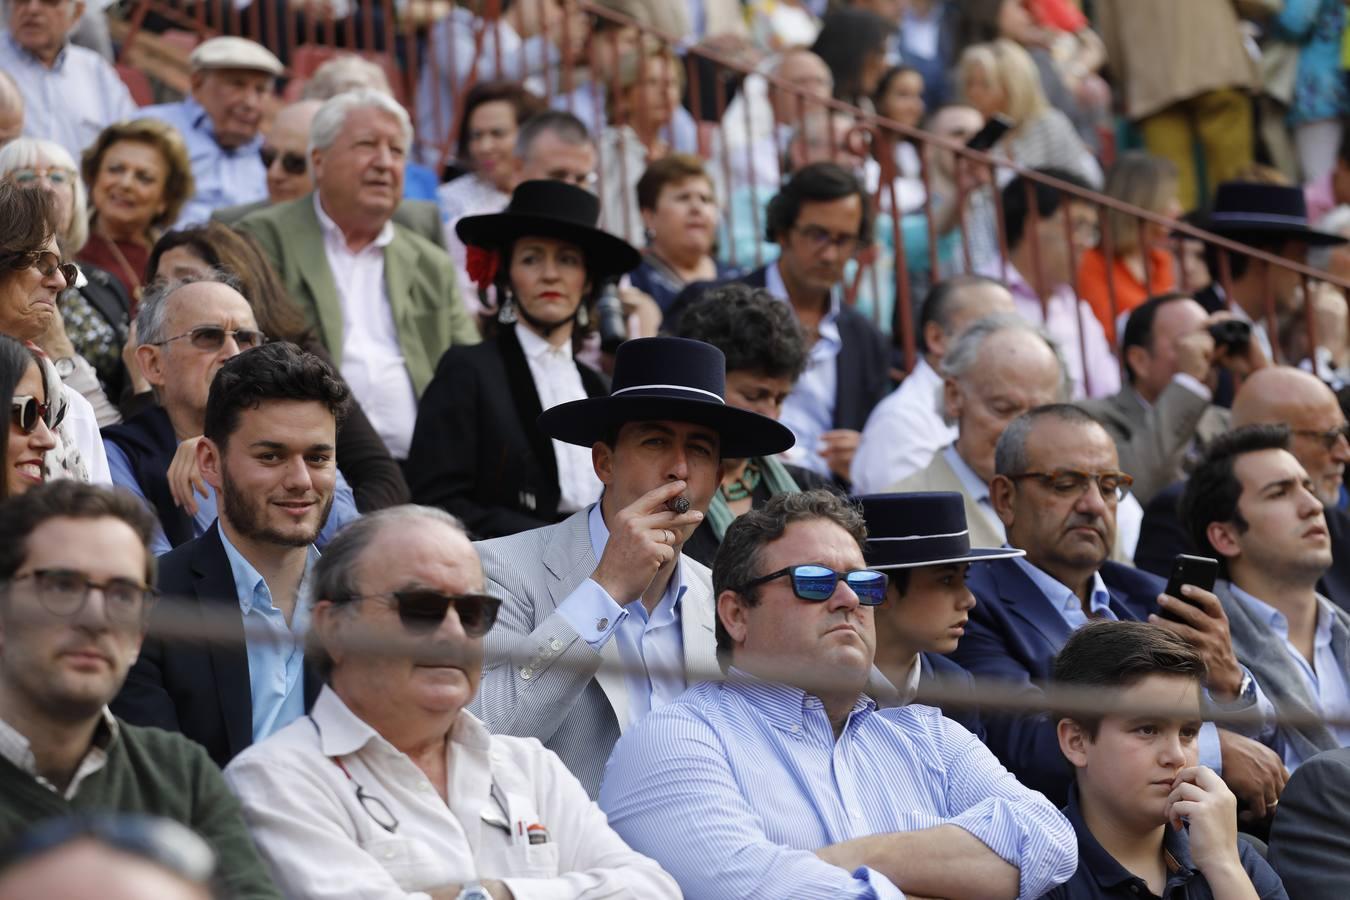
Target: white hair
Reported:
point(26, 153)
point(966, 352)
point(332, 116)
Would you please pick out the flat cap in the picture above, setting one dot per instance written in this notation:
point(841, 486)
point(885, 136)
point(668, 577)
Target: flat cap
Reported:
point(234, 53)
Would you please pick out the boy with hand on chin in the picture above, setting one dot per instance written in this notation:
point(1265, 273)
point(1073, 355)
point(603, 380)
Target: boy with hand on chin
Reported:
point(1150, 821)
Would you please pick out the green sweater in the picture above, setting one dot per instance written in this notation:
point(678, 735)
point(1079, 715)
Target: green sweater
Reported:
point(150, 771)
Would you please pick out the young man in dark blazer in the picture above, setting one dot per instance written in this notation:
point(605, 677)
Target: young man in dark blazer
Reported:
point(268, 450)
point(820, 219)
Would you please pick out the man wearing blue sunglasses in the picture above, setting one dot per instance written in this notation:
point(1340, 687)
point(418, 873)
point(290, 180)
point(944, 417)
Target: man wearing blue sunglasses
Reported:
point(786, 780)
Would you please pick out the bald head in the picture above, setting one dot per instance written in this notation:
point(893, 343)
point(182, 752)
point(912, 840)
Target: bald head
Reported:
point(11, 109)
point(806, 72)
point(288, 174)
point(1282, 395)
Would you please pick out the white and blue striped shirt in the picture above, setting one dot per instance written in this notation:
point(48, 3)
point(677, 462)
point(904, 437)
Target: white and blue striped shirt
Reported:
point(735, 785)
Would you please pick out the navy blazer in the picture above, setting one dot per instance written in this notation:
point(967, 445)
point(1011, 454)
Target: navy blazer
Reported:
point(1014, 634)
point(201, 691)
point(936, 667)
point(863, 364)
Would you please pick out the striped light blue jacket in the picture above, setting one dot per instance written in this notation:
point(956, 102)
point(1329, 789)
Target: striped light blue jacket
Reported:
point(733, 786)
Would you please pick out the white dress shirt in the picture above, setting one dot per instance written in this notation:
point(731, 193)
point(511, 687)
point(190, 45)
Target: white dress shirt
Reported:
point(903, 432)
point(372, 359)
point(514, 813)
point(557, 380)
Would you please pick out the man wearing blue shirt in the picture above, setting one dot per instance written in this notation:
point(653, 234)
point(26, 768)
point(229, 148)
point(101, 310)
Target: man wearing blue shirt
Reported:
point(232, 80)
point(187, 330)
point(70, 93)
point(269, 450)
point(1253, 506)
point(786, 780)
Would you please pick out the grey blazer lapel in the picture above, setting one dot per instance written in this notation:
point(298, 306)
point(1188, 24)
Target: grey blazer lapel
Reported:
point(1266, 656)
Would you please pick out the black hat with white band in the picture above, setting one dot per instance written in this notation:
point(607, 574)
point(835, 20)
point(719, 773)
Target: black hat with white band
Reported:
point(1249, 211)
point(905, 531)
point(671, 379)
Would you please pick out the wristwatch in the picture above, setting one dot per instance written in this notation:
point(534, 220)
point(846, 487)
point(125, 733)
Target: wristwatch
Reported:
point(474, 890)
point(65, 366)
point(1246, 695)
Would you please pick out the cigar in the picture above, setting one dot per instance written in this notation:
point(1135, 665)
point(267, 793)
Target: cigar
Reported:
point(678, 505)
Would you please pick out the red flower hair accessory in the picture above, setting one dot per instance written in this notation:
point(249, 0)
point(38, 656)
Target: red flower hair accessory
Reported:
point(482, 265)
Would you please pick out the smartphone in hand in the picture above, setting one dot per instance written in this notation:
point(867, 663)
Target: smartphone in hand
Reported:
point(1199, 571)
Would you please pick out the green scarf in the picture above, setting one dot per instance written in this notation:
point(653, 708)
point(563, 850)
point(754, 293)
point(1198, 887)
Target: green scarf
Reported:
point(773, 473)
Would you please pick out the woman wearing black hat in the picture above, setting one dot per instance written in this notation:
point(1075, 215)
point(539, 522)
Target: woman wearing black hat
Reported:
point(476, 450)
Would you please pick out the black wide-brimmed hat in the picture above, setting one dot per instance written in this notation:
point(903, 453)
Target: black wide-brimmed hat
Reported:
point(905, 531)
point(1246, 209)
point(553, 209)
point(671, 379)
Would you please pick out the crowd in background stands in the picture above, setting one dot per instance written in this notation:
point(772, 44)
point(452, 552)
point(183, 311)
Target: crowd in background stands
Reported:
point(726, 423)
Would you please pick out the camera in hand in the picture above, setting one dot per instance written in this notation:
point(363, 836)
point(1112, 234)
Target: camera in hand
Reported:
point(609, 318)
point(1233, 335)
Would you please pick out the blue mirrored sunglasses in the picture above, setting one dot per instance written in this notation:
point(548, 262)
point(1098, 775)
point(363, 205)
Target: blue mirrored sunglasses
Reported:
point(817, 583)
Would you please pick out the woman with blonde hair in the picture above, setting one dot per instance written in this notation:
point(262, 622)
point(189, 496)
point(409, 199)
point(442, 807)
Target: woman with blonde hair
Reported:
point(1142, 265)
point(139, 177)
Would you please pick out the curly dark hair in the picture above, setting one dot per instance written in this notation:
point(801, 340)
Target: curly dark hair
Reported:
point(754, 331)
point(275, 371)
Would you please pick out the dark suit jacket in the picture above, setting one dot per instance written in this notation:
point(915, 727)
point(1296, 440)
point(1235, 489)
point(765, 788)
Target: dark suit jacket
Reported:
point(863, 363)
point(1162, 536)
point(1310, 837)
point(200, 691)
point(934, 667)
point(1013, 634)
point(476, 451)
point(421, 216)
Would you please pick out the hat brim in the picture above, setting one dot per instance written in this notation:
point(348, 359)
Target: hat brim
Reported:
point(605, 253)
point(975, 554)
point(1310, 236)
point(742, 433)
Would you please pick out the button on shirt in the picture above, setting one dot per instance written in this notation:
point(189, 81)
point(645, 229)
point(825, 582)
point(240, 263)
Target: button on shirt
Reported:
point(223, 177)
point(1327, 678)
point(276, 662)
point(809, 410)
point(903, 433)
point(557, 380)
point(734, 786)
point(298, 791)
point(372, 357)
point(71, 102)
point(655, 640)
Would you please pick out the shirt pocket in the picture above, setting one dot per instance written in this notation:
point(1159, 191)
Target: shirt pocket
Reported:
point(532, 860)
point(409, 862)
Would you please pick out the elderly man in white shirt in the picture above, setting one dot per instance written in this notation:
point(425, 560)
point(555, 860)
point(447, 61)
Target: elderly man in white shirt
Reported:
point(906, 429)
point(389, 788)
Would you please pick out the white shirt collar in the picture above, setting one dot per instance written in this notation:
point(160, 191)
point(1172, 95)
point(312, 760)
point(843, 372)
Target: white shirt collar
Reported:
point(333, 233)
point(536, 347)
point(15, 747)
point(343, 732)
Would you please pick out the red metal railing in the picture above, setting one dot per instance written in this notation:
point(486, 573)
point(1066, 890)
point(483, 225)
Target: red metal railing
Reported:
point(405, 39)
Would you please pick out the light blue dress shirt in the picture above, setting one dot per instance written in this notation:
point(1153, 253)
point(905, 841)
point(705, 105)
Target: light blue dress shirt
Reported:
point(222, 177)
point(343, 511)
point(276, 664)
point(71, 102)
point(1327, 678)
point(734, 786)
point(645, 641)
point(809, 409)
point(973, 486)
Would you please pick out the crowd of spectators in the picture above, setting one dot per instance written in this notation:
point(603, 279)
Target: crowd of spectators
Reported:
point(638, 451)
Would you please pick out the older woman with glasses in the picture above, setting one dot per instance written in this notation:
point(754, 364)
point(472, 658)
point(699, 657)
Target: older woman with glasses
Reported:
point(88, 339)
point(32, 276)
point(139, 177)
point(31, 418)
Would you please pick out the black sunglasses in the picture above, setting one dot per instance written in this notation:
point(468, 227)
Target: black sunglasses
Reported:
point(26, 411)
point(817, 583)
point(291, 163)
point(212, 337)
point(422, 611)
point(48, 263)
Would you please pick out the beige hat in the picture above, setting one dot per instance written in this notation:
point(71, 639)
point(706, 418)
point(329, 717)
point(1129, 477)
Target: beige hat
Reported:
point(234, 53)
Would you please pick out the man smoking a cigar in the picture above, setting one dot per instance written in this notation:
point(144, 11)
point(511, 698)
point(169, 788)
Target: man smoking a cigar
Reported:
point(609, 584)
